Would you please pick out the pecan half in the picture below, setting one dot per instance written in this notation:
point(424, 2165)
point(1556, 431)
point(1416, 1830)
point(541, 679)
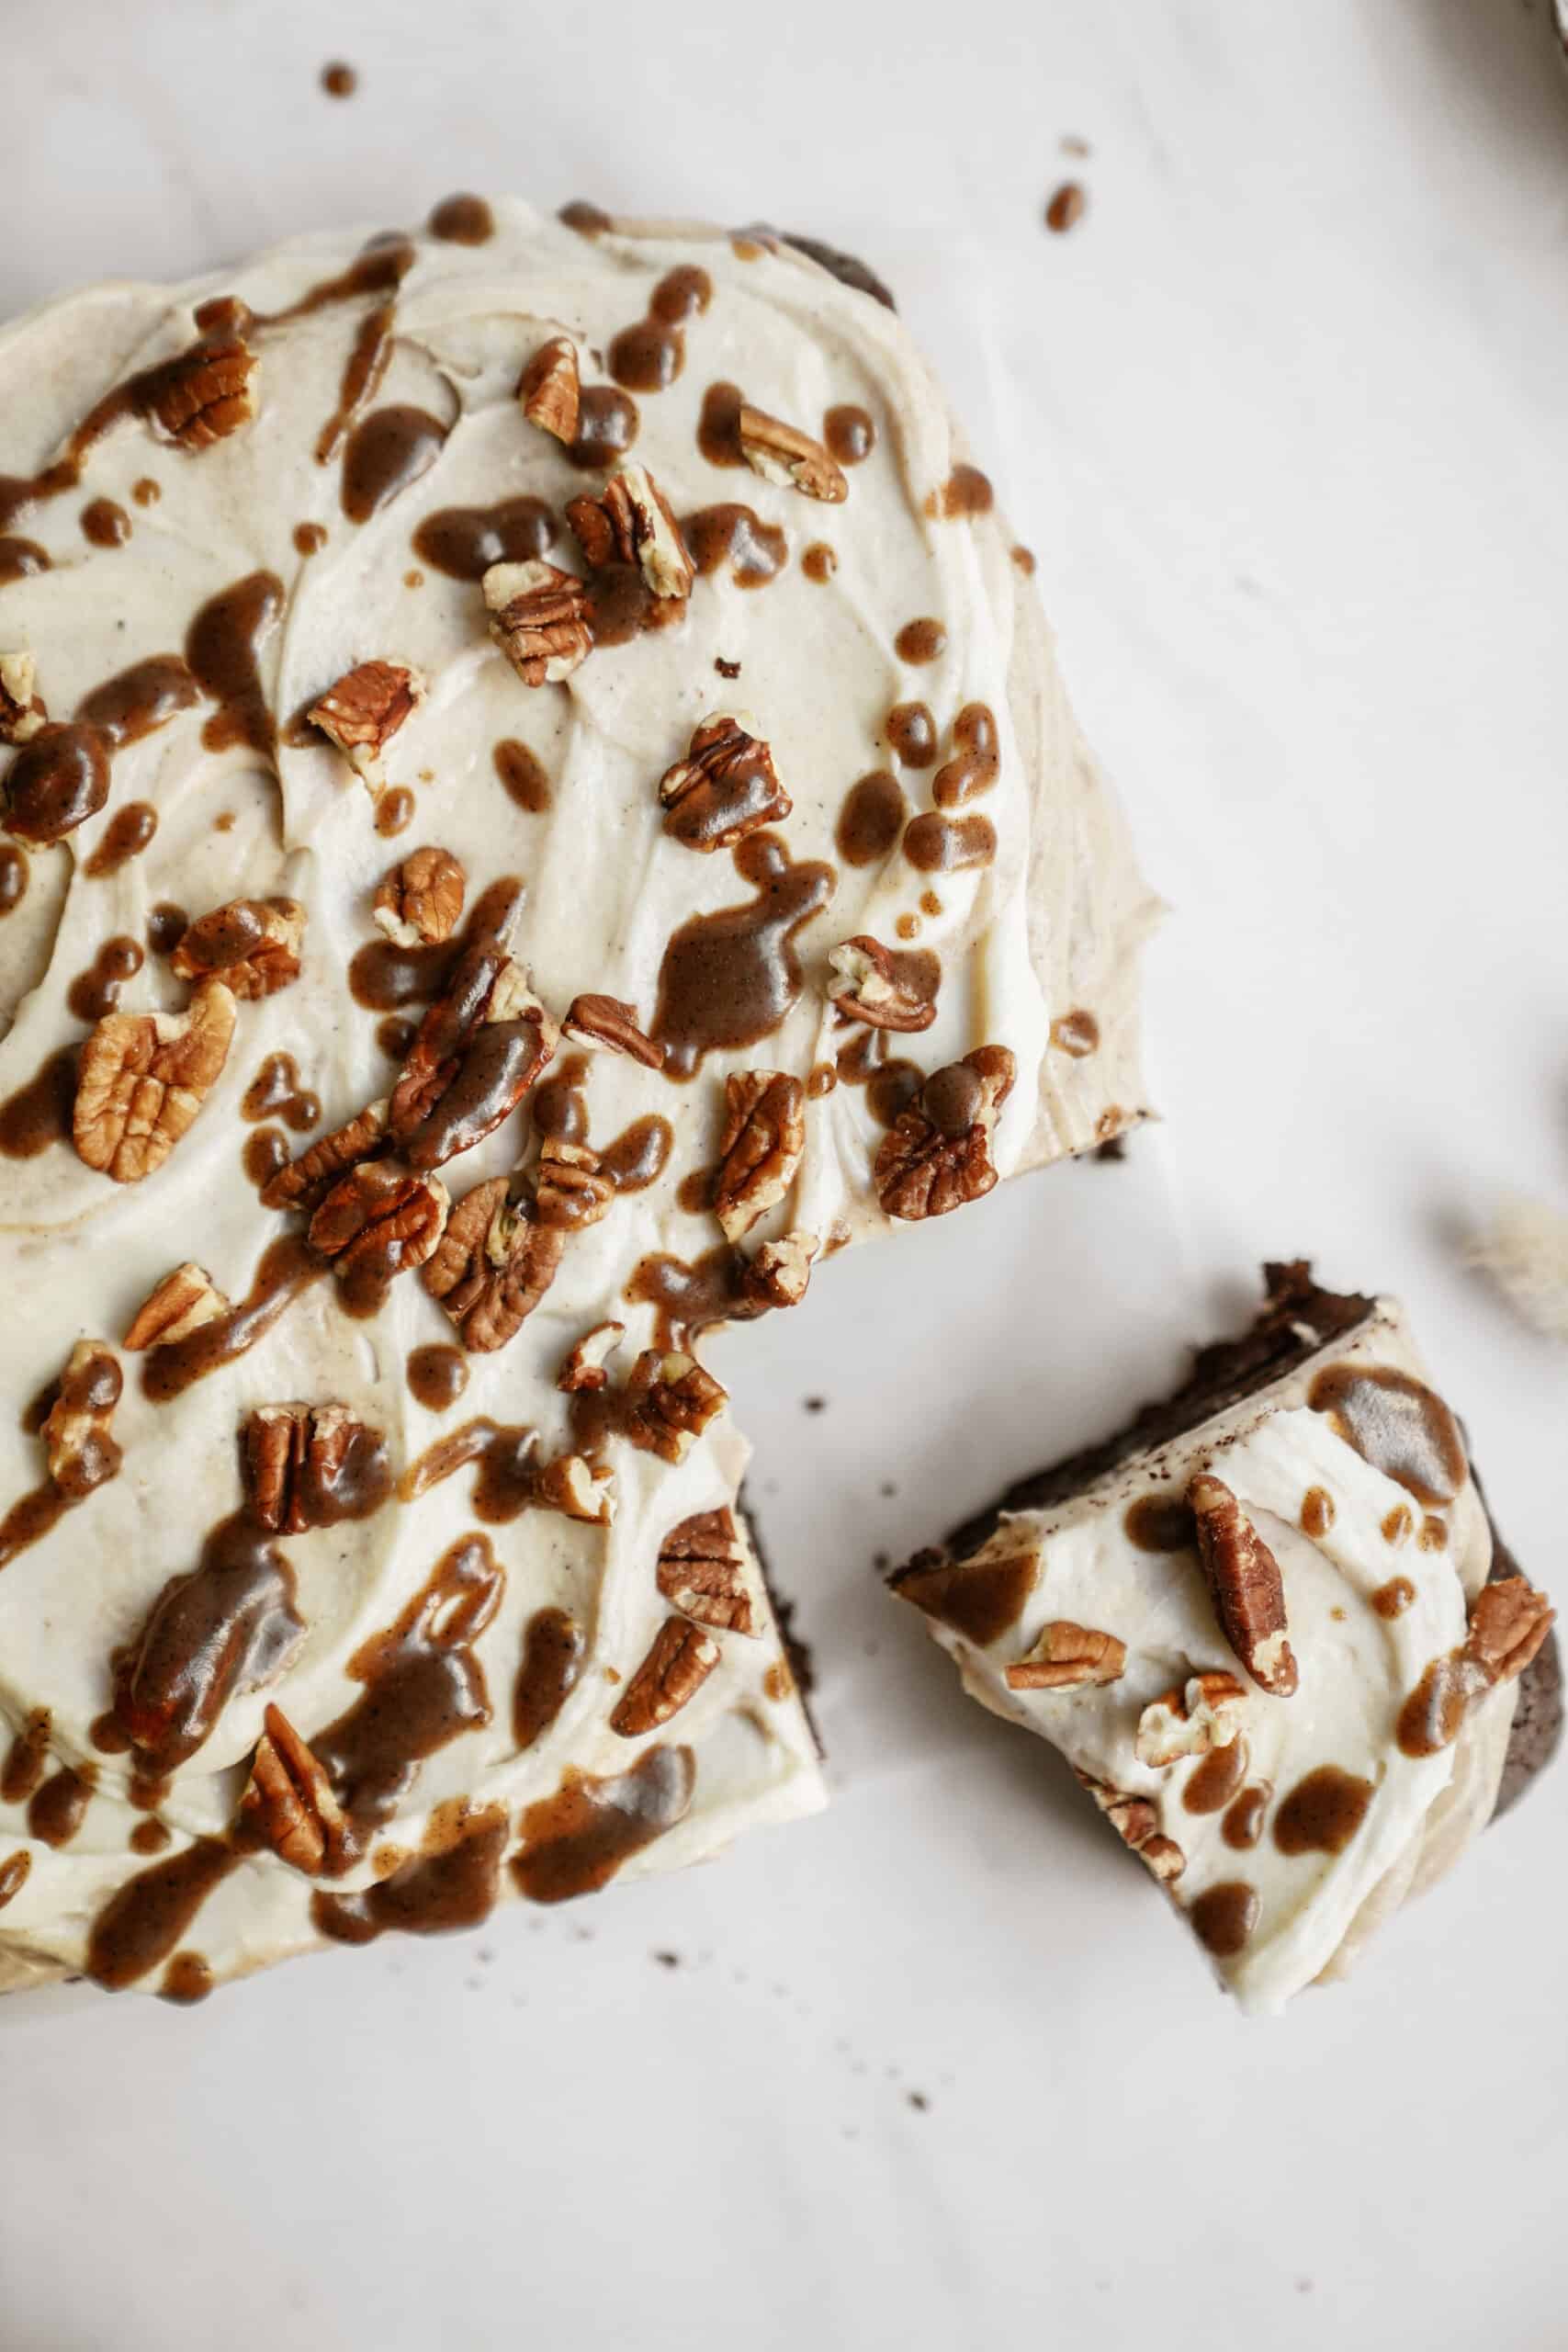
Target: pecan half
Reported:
point(610, 1022)
point(679, 1662)
point(306, 1182)
point(779, 1273)
point(1509, 1620)
point(492, 1266)
point(633, 522)
point(540, 619)
point(937, 1155)
point(575, 1487)
point(363, 711)
point(585, 1367)
point(726, 787)
point(296, 1458)
point(479, 1050)
point(203, 394)
point(251, 945)
point(21, 711)
point(760, 1151)
point(418, 903)
point(1137, 1823)
point(1201, 1714)
point(76, 1432)
point(881, 985)
point(289, 1803)
point(142, 1078)
point(550, 388)
point(381, 1220)
point(783, 454)
point(1069, 1658)
point(702, 1572)
point(1245, 1581)
point(571, 1189)
point(180, 1304)
point(669, 1400)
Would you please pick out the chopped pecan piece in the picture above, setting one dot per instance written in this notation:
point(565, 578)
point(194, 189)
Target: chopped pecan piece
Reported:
point(679, 1662)
point(760, 1151)
point(379, 1220)
point(586, 1366)
point(306, 1182)
point(203, 394)
point(550, 388)
point(877, 985)
point(289, 1803)
point(180, 1304)
point(479, 1050)
point(418, 903)
point(575, 1487)
point(251, 945)
point(571, 1189)
point(702, 1572)
point(1509, 1620)
point(726, 787)
point(1203, 1712)
point(1245, 1581)
point(670, 1401)
point(779, 1273)
point(634, 523)
point(783, 454)
point(540, 619)
point(21, 711)
point(492, 1266)
point(81, 1452)
point(610, 1022)
point(937, 1155)
point(1069, 1658)
point(142, 1078)
point(1137, 1823)
point(365, 708)
point(303, 1464)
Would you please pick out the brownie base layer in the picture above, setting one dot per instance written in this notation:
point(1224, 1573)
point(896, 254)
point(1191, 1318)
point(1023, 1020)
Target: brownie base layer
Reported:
point(797, 1653)
point(1297, 1318)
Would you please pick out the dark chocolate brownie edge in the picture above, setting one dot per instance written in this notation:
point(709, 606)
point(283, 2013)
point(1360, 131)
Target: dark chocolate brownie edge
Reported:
point(796, 1651)
point(1537, 1732)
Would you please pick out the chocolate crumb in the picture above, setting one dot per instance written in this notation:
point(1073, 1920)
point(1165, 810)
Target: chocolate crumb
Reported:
point(888, 1488)
point(338, 80)
point(727, 669)
point(918, 2101)
point(1113, 1148)
point(881, 1562)
point(1067, 208)
point(815, 1404)
point(668, 1959)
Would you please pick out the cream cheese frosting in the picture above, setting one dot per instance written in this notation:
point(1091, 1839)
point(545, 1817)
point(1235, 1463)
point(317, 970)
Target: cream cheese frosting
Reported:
point(1313, 1812)
point(184, 600)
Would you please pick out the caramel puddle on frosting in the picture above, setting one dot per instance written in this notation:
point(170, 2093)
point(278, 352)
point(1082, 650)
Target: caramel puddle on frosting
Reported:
point(1397, 1424)
point(14, 875)
point(453, 1886)
point(693, 1297)
point(14, 1872)
point(142, 1923)
point(1243, 1825)
point(648, 357)
point(1224, 1917)
point(871, 819)
point(92, 1386)
point(105, 525)
point(849, 433)
point(287, 1267)
point(61, 777)
point(437, 1377)
point(1160, 1524)
point(505, 1485)
point(735, 535)
point(383, 978)
point(387, 452)
point(1392, 1599)
point(277, 1092)
point(920, 641)
point(524, 774)
point(60, 1806)
point(1431, 1717)
point(19, 559)
point(574, 1842)
point(125, 836)
point(819, 563)
point(423, 1687)
point(730, 979)
point(1216, 1779)
point(552, 1660)
point(39, 1114)
point(911, 728)
point(223, 647)
point(966, 491)
point(94, 992)
point(227, 1625)
point(1323, 1813)
point(718, 426)
point(974, 761)
point(26, 1759)
point(462, 542)
point(463, 219)
point(607, 426)
point(980, 1599)
point(936, 845)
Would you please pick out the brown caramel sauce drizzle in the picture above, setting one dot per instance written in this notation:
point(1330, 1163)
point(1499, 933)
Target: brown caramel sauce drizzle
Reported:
point(14, 1875)
point(94, 992)
point(222, 648)
point(574, 1842)
point(819, 563)
point(385, 978)
point(696, 1296)
point(13, 876)
point(1396, 1424)
point(1224, 1917)
point(1392, 1599)
point(648, 357)
point(92, 1386)
point(276, 1092)
point(920, 641)
point(552, 1660)
point(1323, 1813)
point(850, 434)
point(105, 525)
point(1160, 1524)
point(385, 453)
point(1243, 1825)
point(463, 219)
point(263, 1155)
point(936, 845)
point(462, 542)
point(39, 1114)
point(871, 819)
point(607, 427)
point(1216, 1779)
point(60, 1806)
point(522, 774)
point(394, 812)
point(1317, 1512)
point(125, 836)
point(453, 1886)
point(438, 1376)
point(27, 1759)
point(911, 727)
point(287, 1268)
point(145, 1920)
point(730, 978)
point(505, 1485)
point(165, 925)
point(966, 491)
point(718, 426)
point(735, 534)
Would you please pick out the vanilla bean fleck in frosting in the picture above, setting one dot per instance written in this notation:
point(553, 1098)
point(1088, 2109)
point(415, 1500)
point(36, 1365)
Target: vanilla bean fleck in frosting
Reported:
point(399, 1071)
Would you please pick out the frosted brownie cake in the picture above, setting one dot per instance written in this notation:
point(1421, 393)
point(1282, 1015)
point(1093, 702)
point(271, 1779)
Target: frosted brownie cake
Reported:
point(1269, 1627)
point(537, 806)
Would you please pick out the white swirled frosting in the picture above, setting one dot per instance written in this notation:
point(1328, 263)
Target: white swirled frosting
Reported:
point(1050, 926)
point(1297, 1839)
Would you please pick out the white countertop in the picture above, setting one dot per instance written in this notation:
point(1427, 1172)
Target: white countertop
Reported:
point(1282, 417)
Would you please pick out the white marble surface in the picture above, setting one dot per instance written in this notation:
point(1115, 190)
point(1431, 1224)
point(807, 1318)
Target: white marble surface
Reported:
point(1282, 417)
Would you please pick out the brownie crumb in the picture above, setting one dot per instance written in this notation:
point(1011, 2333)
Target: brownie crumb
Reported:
point(1113, 1148)
point(727, 669)
point(918, 2101)
point(668, 1959)
point(338, 80)
point(815, 1404)
point(1067, 208)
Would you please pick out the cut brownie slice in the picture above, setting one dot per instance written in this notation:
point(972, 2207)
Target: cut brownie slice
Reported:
point(1269, 1625)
